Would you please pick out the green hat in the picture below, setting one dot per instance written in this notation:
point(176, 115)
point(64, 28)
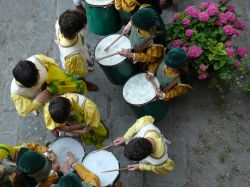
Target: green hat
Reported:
point(34, 164)
point(175, 58)
point(144, 18)
point(72, 180)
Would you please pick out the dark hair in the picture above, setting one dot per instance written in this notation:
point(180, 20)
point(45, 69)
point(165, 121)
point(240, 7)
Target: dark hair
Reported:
point(26, 73)
point(138, 149)
point(59, 109)
point(71, 22)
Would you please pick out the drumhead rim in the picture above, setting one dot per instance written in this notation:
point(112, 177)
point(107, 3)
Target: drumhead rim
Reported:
point(98, 6)
point(126, 59)
point(137, 105)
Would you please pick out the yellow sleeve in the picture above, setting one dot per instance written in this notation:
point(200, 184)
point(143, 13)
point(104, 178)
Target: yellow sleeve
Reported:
point(164, 169)
point(35, 147)
point(177, 90)
point(47, 61)
point(76, 65)
point(86, 175)
point(118, 4)
point(23, 105)
point(138, 125)
point(49, 123)
point(154, 55)
point(92, 114)
point(49, 181)
point(126, 5)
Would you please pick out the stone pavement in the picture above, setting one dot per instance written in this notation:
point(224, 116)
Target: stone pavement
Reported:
point(210, 133)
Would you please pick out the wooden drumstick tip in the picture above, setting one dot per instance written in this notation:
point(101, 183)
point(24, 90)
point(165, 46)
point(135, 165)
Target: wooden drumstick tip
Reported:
point(113, 42)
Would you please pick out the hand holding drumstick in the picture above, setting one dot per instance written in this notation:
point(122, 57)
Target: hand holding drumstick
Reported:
point(126, 53)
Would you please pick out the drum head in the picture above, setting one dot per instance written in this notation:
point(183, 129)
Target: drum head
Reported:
point(123, 42)
point(98, 2)
point(138, 90)
point(99, 161)
point(65, 144)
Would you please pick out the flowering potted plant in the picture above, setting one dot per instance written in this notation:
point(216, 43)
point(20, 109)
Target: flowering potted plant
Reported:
point(205, 33)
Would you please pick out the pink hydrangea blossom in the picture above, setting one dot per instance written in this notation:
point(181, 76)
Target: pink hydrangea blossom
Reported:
point(222, 19)
point(204, 4)
point(185, 49)
point(230, 16)
point(231, 8)
point(242, 52)
point(189, 33)
point(194, 51)
point(192, 11)
point(202, 76)
point(186, 22)
point(228, 43)
point(230, 31)
point(203, 67)
point(236, 64)
point(212, 9)
point(176, 43)
point(203, 16)
point(230, 52)
point(185, 44)
point(239, 25)
point(176, 16)
point(224, 1)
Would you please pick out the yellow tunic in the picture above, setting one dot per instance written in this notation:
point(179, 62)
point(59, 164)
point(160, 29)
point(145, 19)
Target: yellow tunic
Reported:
point(86, 115)
point(75, 63)
point(86, 175)
point(126, 5)
point(58, 83)
point(178, 89)
point(163, 169)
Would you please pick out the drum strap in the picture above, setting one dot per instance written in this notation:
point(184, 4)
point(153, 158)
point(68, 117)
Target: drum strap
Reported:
point(144, 45)
point(171, 84)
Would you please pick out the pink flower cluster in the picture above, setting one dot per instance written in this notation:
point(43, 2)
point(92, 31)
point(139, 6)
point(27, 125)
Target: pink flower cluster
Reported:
point(194, 51)
point(186, 22)
point(224, 1)
point(230, 8)
point(189, 33)
point(203, 16)
point(228, 43)
point(176, 43)
point(229, 30)
point(225, 17)
point(236, 64)
point(204, 4)
point(176, 16)
point(242, 52)
point(202, 76)
point(239, 25)
point(203, 67)
point(230, 52)
point(192, 11)
point(212, 9)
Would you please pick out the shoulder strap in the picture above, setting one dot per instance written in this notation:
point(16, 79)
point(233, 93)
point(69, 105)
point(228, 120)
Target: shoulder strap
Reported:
point(172, 84)
point(144, 45)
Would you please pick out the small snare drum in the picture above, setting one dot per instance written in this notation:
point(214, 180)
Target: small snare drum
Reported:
point(103, 18)
point(140, 94)
point(99, 161)
point(117, 68)
point(65, 144)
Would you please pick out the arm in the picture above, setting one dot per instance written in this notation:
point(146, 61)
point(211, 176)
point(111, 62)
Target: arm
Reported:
point(164, 169)
point(35, 147)
point(177, 90)
point(86, 175)
point(70, 128)
point(23, 105)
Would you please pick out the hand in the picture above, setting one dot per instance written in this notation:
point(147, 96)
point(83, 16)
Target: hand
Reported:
point(127, 28)
point(119, 141)
point(65, 168)
point(52, 156)
point(133, 167)
point(55, 166)
point(55, 132)
point(159, 94)
point(126, 53)
point(149, 76)
point(71, 159)
point(43, 96)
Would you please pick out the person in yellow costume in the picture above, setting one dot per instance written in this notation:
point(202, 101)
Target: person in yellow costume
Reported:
point(36, 80)
point(73, 52)
point(75, 115)
point(171, 75)
point(147, 146)
point(147, 38)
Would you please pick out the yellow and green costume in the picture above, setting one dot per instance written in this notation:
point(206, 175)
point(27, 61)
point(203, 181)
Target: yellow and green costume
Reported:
point(56, 82)
point(168, 165)
point(86, 114)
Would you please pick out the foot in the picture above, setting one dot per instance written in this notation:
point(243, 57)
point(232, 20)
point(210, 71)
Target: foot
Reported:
point(91, 86)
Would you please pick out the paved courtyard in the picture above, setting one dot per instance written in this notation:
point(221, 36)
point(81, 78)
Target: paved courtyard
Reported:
point(210, 132)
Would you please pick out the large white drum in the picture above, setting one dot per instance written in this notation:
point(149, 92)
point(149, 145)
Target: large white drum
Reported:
point(140, 94)
point(99, 161)
point(62, 146)
point(117, 68)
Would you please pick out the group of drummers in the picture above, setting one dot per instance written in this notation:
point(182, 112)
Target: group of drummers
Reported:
point(137, 59)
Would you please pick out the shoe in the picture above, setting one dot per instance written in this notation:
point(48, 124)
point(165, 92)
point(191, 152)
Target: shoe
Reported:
point(91, 86)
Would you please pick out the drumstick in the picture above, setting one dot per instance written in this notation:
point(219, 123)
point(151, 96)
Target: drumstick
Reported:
point(110, 55)
point(121, 169)
point(113, 42)
point(106, 147)
point(154, 84)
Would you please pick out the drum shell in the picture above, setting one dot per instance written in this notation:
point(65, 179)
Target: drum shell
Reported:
point(119, 73)
point(157, 109)
point(102, 20)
